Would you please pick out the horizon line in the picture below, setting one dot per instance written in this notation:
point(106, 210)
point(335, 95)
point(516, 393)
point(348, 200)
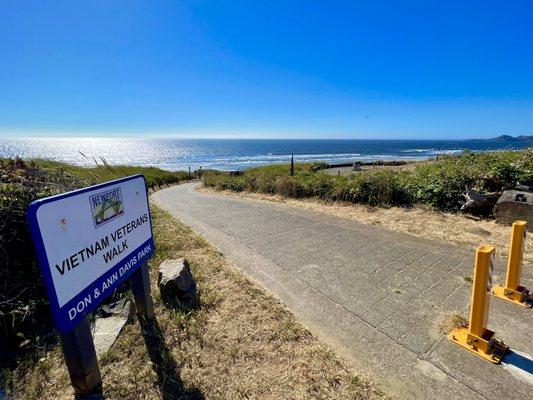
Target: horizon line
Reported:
point(208, 137)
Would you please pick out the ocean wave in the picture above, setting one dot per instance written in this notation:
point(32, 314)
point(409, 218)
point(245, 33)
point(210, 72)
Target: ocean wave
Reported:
point(415, 150)
point(431, 152)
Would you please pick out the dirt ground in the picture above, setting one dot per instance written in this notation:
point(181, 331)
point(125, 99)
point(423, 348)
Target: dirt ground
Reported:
point(419, 221)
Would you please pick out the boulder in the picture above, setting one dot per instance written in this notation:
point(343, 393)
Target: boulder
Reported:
point(514, 205)
point(176, 282)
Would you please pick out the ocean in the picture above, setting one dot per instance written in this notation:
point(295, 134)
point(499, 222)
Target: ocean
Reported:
point(234, 154)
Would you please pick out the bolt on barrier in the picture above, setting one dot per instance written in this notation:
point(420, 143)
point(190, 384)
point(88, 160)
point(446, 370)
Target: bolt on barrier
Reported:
point(476, 337)
point(512, 291)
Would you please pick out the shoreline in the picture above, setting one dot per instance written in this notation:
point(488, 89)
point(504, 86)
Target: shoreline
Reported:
point(237, 155)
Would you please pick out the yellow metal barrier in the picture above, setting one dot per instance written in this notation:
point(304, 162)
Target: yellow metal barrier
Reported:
point(512, 291)
point(476, 337)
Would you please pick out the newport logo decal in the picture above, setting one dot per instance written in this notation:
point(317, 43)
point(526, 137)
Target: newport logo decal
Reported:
point(106, 206)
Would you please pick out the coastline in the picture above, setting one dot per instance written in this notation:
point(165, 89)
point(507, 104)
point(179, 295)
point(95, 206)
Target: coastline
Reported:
point(236, 155)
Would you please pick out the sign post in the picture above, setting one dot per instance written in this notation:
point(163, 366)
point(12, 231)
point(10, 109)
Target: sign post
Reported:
point(88, 243)
point(80, 357)
point(140, 286)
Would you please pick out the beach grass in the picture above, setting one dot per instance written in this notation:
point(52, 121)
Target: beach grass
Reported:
point(24, 315)
point(103, 172)
point(438, 184)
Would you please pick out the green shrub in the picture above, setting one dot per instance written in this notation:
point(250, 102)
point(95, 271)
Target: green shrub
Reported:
point(105, 172)
point(24, 311)
point(23, 308)
point(439, 184)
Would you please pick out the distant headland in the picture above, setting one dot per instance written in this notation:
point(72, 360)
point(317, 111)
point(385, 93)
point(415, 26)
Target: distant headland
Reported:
point(507, 138)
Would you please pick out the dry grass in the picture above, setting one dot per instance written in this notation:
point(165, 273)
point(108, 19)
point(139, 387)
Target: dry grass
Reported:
point(240, 344)
point(419, 221)
point(451, 322)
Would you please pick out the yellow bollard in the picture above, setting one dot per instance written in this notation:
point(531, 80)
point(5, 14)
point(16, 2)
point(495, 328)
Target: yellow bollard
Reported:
point(512, 291)
point(476, 337)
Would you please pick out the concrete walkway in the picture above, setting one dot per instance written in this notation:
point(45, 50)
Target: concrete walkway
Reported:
point(377, 296)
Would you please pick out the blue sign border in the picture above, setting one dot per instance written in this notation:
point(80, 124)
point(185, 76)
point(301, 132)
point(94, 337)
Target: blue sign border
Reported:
point(60, 314)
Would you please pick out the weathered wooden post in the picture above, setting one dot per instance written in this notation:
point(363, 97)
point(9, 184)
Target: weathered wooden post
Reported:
point(80, 357)
point(142, 292)
point(292, 164)
point(189, 172)
point(88, 243)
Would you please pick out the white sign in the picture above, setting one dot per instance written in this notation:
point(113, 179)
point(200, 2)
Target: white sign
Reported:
point(89, 242)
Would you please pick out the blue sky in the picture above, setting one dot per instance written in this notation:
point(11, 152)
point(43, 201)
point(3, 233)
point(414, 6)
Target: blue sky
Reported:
point(295, 69)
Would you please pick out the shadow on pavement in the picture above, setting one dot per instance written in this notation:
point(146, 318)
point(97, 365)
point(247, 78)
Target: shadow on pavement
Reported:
point(520, 361)
point(520, 365)
point(165, 366)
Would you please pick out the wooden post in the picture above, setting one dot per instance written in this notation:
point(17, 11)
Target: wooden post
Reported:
point(292, 164)
point(189, 172)
point(80, 357)
point(142, 292)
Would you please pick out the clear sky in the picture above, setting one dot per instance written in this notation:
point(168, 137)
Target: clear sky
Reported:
point(295, 69)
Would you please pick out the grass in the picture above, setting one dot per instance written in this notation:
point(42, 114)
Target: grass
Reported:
point(24, 313)
point(438, 184)
point(239, 344)
point(104, 172)
point(453, 321)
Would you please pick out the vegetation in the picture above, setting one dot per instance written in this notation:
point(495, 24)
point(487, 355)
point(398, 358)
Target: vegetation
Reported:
point(103, 172)
point(439, 184)
point(24, 317)
point(238, 344)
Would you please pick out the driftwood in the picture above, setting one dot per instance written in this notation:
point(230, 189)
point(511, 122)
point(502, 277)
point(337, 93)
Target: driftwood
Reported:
point(478, 203)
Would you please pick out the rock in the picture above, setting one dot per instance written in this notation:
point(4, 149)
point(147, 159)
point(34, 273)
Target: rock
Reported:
point(109, 321)
point(514, 205)
point(356, 166)
point(176, 282)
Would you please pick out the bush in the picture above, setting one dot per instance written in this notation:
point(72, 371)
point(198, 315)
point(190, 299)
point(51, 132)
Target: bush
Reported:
point(439, 184)
point(23, 308)
point(24, 311)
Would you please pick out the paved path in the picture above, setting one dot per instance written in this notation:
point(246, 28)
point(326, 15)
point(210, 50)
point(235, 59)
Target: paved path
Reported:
point(377, 296)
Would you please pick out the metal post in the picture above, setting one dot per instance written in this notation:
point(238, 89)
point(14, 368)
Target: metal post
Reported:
point(512, 291)
point(142, 292)
point(80, 357)
point(479, 304)
point(476, 337)
point(516, 254)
